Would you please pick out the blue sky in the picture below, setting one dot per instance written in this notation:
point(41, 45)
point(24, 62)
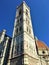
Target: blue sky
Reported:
point(39, 14)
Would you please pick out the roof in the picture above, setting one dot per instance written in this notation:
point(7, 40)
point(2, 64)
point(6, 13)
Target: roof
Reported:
point(41, 45)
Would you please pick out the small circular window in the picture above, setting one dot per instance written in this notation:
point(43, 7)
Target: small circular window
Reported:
point(43, 52)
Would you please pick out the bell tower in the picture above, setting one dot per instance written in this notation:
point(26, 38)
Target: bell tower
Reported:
point(23, 48)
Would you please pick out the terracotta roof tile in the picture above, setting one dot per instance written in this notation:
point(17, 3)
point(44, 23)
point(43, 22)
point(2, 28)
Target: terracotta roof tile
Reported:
point(41, 45)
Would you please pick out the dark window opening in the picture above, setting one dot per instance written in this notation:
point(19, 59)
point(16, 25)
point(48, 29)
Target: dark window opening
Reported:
point(0, 53)
point(29, 31)
point(21, 19)
point(20, 29)
point(20, 12)
point(43, 52)
point(26, 12)
point(27, 21)
point(17, 21)
point(43, 57)
point(17, 30)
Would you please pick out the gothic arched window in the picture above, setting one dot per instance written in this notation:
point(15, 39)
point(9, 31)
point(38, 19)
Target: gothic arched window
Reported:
point(17, 30)
point(20, 12)
point(27, 29)
point(21, 19)
point(20, 29)
point(26, 12)
point(18, 21)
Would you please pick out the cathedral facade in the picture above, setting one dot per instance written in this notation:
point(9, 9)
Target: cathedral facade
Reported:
point(25, 48)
